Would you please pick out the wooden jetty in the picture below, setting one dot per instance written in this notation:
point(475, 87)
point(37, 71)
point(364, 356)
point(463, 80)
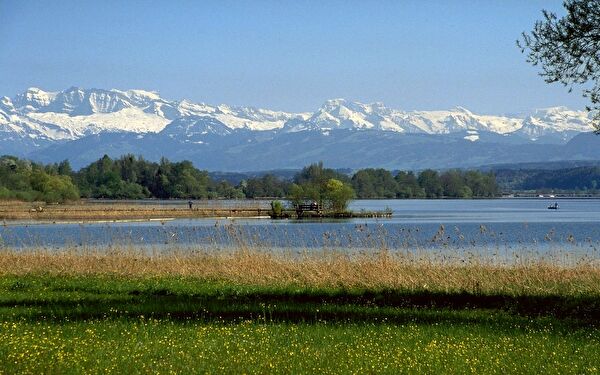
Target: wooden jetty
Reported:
point(315, 210)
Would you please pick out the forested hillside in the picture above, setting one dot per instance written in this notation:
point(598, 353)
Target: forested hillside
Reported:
point(585, 178)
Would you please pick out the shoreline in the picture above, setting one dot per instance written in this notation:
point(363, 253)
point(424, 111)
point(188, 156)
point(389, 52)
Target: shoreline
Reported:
point(97, 211)
point(127, 211)
point(119, 212)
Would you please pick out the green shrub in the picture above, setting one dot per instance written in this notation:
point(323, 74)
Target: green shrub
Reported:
point(5, 193)
point(276, 209)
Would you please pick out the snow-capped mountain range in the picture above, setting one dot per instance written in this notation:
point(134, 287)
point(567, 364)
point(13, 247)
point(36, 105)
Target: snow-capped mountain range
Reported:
point(76, 112)
point(32, 122)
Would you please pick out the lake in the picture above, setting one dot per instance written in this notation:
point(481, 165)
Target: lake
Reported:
point(497, 225)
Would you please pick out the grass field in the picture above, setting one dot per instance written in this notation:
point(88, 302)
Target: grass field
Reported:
point(257, 312)
point(168, 346)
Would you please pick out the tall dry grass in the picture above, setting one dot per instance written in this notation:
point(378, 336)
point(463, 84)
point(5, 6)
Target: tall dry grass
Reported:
point(327, 269)
point(123, 210)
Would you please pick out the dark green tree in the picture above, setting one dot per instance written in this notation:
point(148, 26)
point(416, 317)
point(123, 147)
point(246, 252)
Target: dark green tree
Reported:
point(319, 175)
point(24, 180)
point(268, 185)
point(374, 183)
point(430, 181)
point(64, 168)
point(319, 184)
point(296, 194)
point(408, 186)
point(481, 184)
point(454, 184)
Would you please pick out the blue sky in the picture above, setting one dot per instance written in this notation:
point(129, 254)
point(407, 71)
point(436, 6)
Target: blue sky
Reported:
point(286, 55)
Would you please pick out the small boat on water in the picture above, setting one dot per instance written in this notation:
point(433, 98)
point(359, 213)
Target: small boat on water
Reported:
point(553, 206)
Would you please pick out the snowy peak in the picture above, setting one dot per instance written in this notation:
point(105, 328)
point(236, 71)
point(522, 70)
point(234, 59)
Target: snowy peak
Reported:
point(77, 112)
point(140, 95)
point(6, 106)
point(76, 101)
point(141, 98)
point(238, 117)
point(343, 114)
point(460, 119)
point(562, 118)
point(558, 122)
point(33, 99)
point(195, 129)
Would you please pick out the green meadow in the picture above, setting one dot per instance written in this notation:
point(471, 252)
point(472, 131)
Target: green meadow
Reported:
point(64, 313)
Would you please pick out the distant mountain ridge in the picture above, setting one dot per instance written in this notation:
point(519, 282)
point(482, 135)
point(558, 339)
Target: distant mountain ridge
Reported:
point(78, 112)
point(52, 125)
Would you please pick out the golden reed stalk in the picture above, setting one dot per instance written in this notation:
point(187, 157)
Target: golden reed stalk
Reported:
point(315, 269)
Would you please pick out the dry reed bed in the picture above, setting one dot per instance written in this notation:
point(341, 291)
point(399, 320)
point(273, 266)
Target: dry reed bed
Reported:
point(310, 270)
point(123, 211)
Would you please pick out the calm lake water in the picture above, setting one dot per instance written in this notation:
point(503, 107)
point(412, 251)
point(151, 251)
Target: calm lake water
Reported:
point(482, 225)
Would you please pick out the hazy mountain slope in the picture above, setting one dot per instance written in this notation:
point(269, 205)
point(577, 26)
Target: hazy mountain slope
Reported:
point(243, 150)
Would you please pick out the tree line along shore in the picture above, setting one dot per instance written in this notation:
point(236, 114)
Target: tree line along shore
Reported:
point(130, 177)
